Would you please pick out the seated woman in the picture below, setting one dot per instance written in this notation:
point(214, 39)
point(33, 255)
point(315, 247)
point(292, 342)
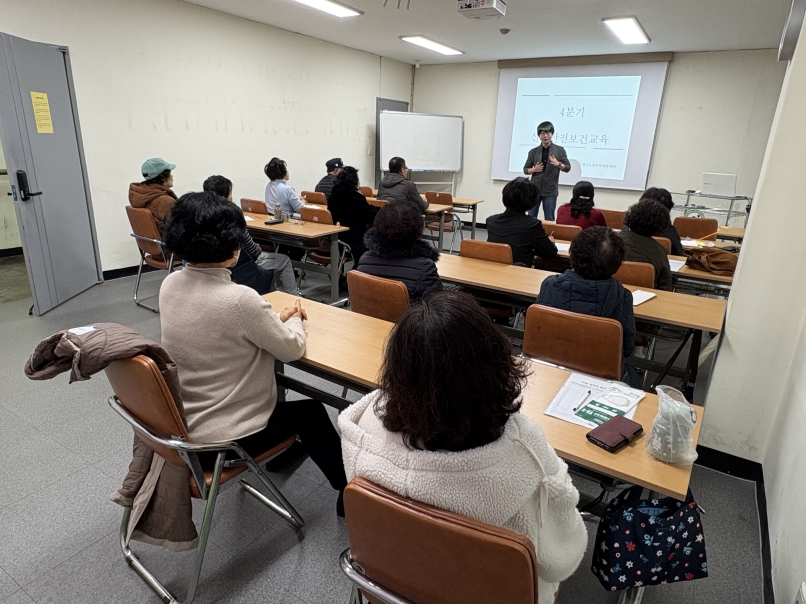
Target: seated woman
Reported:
point(524, 234)
point(351, 209)
point(644, 220)
point(154, 192)
point(395, 251)
point(580, 210)
point(280, 197)
point(224, 339)
point(589, 287)
point(444, 429)
point(664, 197)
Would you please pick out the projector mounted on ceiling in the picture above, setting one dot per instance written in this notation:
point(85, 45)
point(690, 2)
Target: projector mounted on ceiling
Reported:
point(482, 9)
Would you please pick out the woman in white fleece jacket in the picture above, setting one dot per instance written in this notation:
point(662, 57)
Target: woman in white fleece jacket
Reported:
point(444, 429)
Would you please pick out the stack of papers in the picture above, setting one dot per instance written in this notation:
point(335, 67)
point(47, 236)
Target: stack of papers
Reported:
point(696, 243)
point(676, 265)
point(589, 401)
point(639, 296)
point(562, 247)
point(248, 218)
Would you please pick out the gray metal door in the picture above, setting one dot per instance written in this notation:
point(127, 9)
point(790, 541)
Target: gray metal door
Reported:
point(41, 140)
point(384, 105)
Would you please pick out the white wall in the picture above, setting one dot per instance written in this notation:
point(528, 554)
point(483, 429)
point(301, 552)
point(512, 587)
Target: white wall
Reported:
point(9, 233)
point(209, 92)
point(715, 117)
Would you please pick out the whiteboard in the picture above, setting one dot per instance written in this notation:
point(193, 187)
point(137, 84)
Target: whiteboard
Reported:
point(425, 141)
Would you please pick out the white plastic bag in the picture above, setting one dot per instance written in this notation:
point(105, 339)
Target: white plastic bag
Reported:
point(671, 440)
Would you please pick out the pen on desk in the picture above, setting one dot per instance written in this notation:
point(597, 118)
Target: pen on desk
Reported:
point(581, 401)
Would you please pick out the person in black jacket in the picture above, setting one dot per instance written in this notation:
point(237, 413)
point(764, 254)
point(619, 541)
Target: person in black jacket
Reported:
point(325, 185)
point(659, 194)
point(351, 209)
point(589, 287)
point(395, 251)
point(524, 234)
point(395, 187)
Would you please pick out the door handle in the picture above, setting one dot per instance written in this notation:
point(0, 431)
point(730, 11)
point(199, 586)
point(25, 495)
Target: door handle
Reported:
point(25, 189)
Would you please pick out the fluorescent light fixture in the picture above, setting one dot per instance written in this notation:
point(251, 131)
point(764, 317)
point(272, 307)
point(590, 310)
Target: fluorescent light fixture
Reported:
point(628, 30)
point(333, 8)
point(431, 45)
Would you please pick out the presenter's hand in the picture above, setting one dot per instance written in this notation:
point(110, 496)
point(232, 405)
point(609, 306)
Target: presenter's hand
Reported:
point(537, 168)
point(554, 161)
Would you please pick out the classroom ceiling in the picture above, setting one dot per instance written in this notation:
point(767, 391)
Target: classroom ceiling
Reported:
point(539, 28)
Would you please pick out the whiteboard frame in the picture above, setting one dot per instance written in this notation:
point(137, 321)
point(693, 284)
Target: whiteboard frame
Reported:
point(385, 169)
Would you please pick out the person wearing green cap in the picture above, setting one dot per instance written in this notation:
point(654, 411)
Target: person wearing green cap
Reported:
point(154, 193)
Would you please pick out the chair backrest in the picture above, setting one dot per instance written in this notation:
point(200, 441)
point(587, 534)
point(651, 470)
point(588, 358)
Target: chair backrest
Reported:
point(613, 218)
point(376, 202)
point(583, 343)
point(632, 273)
point(144, 225)
point(439, 197)
point(316, 215)
point(665, 242)
point(142, 391)
point(496, 253)
point(429, 555)
point(365, 191)
point(315, 197)
point(696, 228)
point(565, 233)
point(378, 297)
point(254, 206)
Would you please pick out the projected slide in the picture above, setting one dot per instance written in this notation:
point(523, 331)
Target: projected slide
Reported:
point(592, 117)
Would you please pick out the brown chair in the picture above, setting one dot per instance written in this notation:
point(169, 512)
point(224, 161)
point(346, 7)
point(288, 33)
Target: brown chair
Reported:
point(582, 343)
point(254, 206)
point(314, 197)
point(565, 233)
point(696, 228)
point(404, 551)
point(365, 191)
point(144, 400)
point(150, 245)
point(376, 202)
point(633, 273)
point(496, 253)
point(320, 255)
point(665, 242)
point(377, 297)
point(613, 218)
point(451, 223)
point(439, 197)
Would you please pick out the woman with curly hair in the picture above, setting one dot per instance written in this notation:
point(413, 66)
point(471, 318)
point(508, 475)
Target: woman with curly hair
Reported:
point(644, 220)
point(444, 429)
point(588, 287)
point(659, 194)
point(580, 211)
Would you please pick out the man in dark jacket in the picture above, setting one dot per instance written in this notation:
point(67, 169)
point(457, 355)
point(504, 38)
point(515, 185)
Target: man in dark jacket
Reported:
point(544, 163)
point(395, 187)
point(589, 287)
point(524, 234)
point(395, 251)
point(325, 186)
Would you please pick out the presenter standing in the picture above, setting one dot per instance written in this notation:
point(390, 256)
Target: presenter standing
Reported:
point(544, 164)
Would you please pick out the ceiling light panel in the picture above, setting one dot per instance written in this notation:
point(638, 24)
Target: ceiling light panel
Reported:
point(431, 45)
point(332, 8)
point(627, 30)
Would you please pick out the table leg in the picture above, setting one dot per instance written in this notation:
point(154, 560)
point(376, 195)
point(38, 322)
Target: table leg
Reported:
point(690, 378)
point(334, 267)
point(473, 224)
point(441, 230)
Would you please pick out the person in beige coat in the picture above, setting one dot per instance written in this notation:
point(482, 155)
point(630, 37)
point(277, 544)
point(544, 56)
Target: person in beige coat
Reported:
point(444, 429)
point(225, 337)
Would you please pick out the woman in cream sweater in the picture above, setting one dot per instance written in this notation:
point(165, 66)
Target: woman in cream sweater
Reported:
point(225, 337)
point(444, 429)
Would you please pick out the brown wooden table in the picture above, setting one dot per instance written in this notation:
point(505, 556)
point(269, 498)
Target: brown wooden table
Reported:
point(347, 348)
point(732, 233)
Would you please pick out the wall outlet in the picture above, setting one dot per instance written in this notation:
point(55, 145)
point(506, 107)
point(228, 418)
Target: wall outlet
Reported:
point(801, 596)
point(369, 151)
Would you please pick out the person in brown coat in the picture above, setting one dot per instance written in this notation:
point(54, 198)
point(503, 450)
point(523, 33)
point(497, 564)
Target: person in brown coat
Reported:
point(154, 192)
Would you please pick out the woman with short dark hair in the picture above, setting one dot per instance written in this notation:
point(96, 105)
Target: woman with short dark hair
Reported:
point(225, 338)
point(589, 287)
point(580, 210)
point(396, 251)
point(659, 194)
point(444, 429)
point(280, 197)
point(524, 234)
point(350, 208)
point(644, 220)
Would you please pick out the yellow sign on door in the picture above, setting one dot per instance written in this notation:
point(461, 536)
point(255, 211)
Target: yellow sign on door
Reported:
point(44, 123)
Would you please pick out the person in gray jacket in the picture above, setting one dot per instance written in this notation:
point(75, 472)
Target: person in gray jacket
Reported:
point(395, 187)
point(544, 164)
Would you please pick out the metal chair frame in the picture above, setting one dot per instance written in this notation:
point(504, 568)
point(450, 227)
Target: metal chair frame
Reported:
point(361, 582)
point(188, 451)
point(345, 250)
point(456, 227)
point(166, 254)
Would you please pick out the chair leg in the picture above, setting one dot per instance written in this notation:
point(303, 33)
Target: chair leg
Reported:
point(650, 354)
point(134, 562)
point(344, 392)
point(137, 284)
point(284, 509)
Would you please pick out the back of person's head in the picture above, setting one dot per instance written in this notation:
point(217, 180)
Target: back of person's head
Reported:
point(348, 178)
point(204, 228)
point(597, 253)
point(218, 184)
point(582, 199)
point(647, 218)
point(276, 169)
point(449, 376)
point(659, 194)
point(545, 127)
point(399, 223)
point(520, 194)
point(396, 165)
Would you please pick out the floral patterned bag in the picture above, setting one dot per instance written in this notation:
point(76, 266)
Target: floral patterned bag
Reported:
point(644, 542)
